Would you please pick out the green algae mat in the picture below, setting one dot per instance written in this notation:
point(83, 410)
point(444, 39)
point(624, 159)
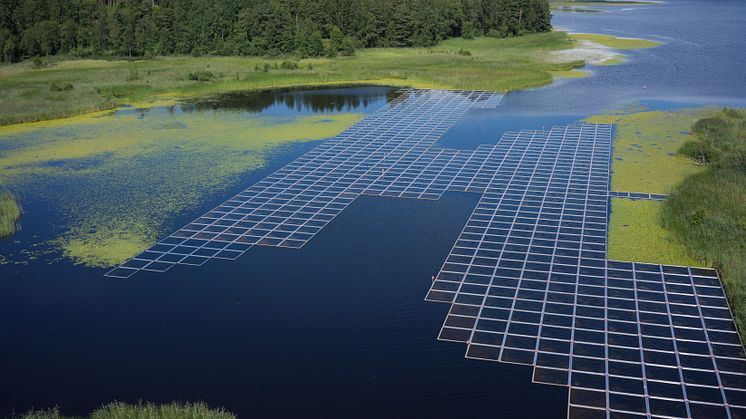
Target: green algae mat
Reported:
point(116, 180)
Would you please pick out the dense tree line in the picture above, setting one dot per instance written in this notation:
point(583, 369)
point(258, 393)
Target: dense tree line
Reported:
point(252, 27)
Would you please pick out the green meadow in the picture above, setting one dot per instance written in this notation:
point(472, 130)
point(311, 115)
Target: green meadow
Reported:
point(58, 87)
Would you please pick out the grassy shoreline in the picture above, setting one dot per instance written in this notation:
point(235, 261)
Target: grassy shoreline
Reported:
point(64, 88)
point(644, 159)
point(707, 211)
point(699, 156)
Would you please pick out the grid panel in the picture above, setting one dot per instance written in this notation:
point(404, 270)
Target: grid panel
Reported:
point(639, 195)
point(528, 279)
point(628, 339)
point(389, 153)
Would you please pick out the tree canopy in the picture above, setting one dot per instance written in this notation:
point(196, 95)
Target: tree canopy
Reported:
point(133, 28)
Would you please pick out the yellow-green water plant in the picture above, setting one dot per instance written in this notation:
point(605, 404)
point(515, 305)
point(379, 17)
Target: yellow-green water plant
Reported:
point(636, 234)
point(645, 149)
point(119, 181)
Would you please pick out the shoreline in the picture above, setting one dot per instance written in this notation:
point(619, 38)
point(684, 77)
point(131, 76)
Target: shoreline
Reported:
point(478, 64)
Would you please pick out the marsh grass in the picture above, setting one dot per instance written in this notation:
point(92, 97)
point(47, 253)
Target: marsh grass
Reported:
point(117, 410)
point(492, 64)
point(10, 214)
point(616, 42)
point(707, 211)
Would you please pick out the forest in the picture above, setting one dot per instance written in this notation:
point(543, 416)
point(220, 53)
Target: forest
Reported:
point(304, 28)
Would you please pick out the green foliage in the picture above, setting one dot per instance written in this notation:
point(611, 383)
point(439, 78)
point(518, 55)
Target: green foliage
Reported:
point(133, 74)
point(467, 30)
point(289, 65)
point(464, 52)
point(39, 62)
point(711, 129)
point(201, 75)
point(10, 213)
point(138, 28)
point(703, 152)
point(335, 41)
point(119, 410)
point(707, 211)
point(62, 87)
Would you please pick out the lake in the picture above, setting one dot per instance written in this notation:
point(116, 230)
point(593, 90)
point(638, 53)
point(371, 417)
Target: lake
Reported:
point(338, 328)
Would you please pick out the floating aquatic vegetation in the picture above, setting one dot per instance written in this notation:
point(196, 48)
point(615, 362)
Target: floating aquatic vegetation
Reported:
point(635, 234)
point(645, 147)
point(118, 180)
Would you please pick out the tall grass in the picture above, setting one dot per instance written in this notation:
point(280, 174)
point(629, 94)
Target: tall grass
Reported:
point(119, 410)
point(10, 213)
point(707, 211)
point(29, 93)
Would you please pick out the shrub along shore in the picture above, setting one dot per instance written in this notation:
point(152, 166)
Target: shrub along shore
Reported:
point(119, 410)
point(707, 211)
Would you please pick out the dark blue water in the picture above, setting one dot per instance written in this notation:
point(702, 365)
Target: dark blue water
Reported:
point(338, 329)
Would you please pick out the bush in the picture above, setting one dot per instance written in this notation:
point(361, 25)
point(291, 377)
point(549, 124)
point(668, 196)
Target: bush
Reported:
point(706, 212)
point(734, 113)
point(64, 87)
point(709, 128)
point(464, 52)
point(701, 151)
point(289, 65)
point(119, 410)
point(467, 30)
point(133, 75)
point(39, 62)
point(347, 48)
point(201, 76)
